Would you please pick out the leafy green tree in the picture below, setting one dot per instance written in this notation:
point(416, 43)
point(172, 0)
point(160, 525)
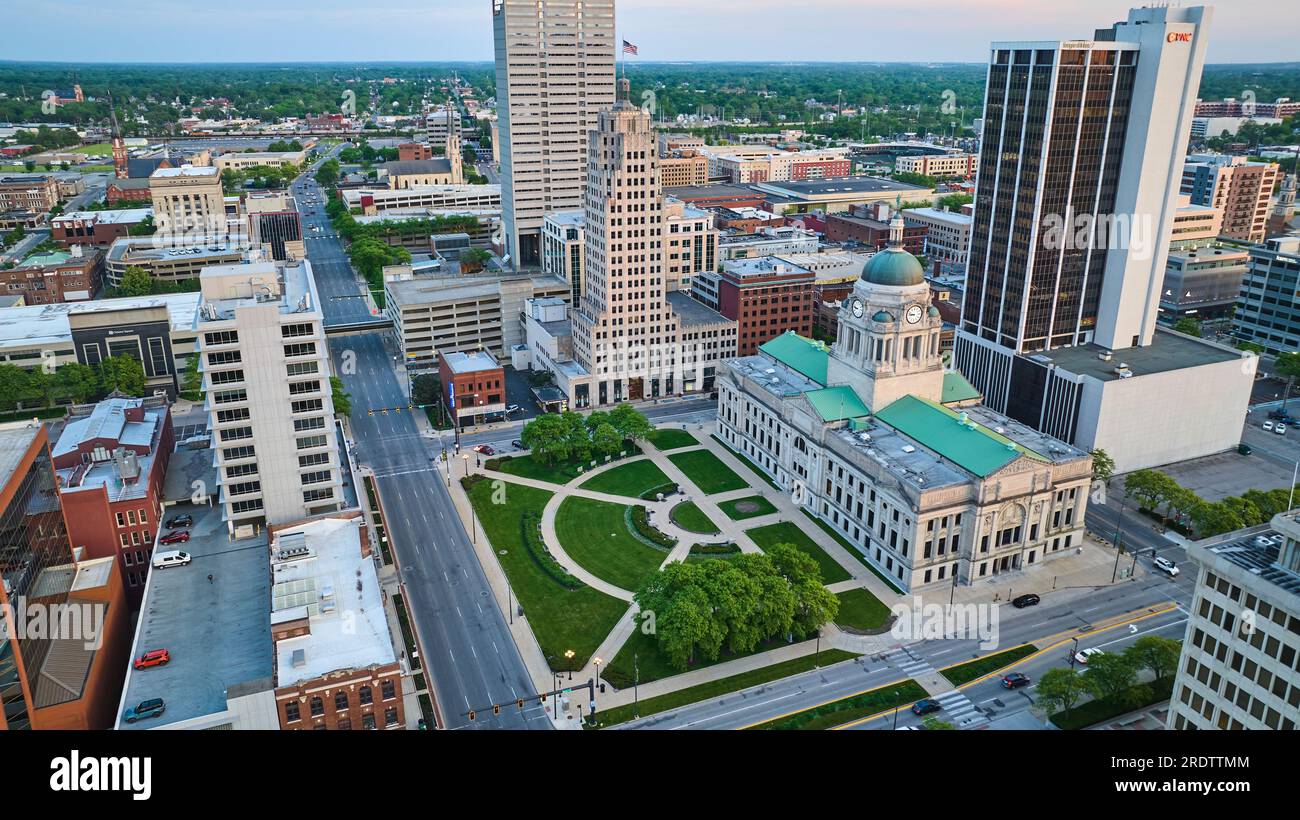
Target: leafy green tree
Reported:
point(341, 398)
point(123, 374)
point(144, 227)
point(934, 724)
point(575, 429)
point(15, 384)
point(548, 438)
point(328, 174)
point(1109, 675)
point(1189, 326)
point(79, 382)
point(605, 440)
point(426, 389)
point(136, 282)
point(1059, 690)
point(192, 381)
point(1155, 654)
point(596, 418)
point(1246, 511)
point(814, 605)
point(1103, 466)
point(472, 260)
point(629, 422)
point(1215, 517)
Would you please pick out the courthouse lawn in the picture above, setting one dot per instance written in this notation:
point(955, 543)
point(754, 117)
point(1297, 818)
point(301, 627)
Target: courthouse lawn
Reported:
point(561, 619)
point(595, 534)
point(706, 471)
point(670, 438)
point(634, 479)
point(691, 518)
point(783, 532)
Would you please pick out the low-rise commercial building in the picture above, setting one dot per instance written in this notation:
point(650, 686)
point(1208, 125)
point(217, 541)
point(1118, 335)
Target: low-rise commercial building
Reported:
point(1202, 282)
point(473, 386)
point(1240, 661)
point(164, 263)
point(683, 168)
point(947, 233)
point(61, 276)
point(97, 228)
point(766, 297)
point(768, 241)
point(939, 165)
point(373, 201)
point(238, 161)
point(837, 195)
point(868, 225)
point(37, 193)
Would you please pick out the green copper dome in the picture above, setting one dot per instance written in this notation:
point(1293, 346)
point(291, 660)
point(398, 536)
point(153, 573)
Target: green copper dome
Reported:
point(883, 316)
point(893, 267)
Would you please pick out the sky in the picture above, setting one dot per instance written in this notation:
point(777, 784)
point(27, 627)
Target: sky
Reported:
point(673, 30)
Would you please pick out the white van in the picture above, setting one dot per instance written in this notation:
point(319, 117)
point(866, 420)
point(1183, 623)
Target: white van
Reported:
point(171, 558)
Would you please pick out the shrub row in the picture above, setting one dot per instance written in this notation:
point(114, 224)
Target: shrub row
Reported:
point(641, 522)
point(532, 536)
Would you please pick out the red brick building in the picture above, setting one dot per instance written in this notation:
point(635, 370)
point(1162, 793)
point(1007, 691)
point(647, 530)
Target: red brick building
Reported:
point(414, 151)
point(111, 464)
point(869, 225)
point(473, 385)
point(99, 228)
point(52, 278)
point(124, 192)
point(820, 169)
point(765, 299)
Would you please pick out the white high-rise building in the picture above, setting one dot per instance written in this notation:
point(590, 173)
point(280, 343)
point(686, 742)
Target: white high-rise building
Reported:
point(266, 372)
point(554, 72)
point(1081, 161)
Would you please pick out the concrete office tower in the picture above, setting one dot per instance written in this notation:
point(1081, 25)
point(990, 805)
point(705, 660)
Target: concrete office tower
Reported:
point(189, 205)
point(633, 336)
point(1239, 188)
point(554, 72)
point(266, 377)
point(1082, 156)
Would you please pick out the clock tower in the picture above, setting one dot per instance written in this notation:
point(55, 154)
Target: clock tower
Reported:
point(888, 340)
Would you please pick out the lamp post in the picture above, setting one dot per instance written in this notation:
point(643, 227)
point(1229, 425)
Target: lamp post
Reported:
point(1119, 535)
point(597, 662)
point(568, 653)
point(896, 705)
point(636, 678)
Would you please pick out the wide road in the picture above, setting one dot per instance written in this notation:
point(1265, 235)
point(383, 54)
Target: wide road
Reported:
point(471, 659)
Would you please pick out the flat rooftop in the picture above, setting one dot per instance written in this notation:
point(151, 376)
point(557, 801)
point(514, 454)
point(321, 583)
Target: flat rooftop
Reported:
point(128, 249)
point(1256, 551)
point(185, 171)
point(337, 590)
point(719, 191)
point(1167, 351)
point(838, 186)
point(763, 266)
point(296, 289)
point(691, 312)
point(31, 326)
point(473, 362)
point(15, 438)
point(218, 631)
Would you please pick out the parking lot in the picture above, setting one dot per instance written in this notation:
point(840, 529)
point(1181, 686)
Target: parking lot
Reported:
point(1270, 466)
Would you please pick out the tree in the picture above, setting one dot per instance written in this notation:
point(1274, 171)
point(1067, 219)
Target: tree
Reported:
point(15, 384)
point(123, 374)
point(575, 429)
point(1059, 690)
point(426, 389)
point(1212, 518)
point(1189, 326)
point(548, 437)
point(78, 381)
point(472, 260)
point(596, 418)
point(136, 281)
point(934, 724)
point(629, 422)
point(341, 398)
point(605, 440)
point(1156, 654)
point(145, 227)
point(1103, 466)
point(328, 173)
point(1109, 675)
point(814, 604)
point(1287, 365)
point(192, 382)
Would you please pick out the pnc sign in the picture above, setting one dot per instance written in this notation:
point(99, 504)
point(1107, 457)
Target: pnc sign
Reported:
point(1177, 37)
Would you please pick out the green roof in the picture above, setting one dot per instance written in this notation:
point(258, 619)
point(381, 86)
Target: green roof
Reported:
point(43, 259)
point(956, 388)
point(837, 403)
point(973, 447)
point(799, 354)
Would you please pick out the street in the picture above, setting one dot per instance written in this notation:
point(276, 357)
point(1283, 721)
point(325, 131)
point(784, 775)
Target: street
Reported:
point(471, 659)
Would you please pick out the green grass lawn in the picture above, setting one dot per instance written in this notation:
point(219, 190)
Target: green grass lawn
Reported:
point(99, 149)
point(670, 438)
point(751, 465)
point(652, 664)
point(632, 479)
point(723, 686)
point(783, 532)
point(861, 611)
point(595, 534)
point(1095, 711)
point(830, 715)
point(978, 668)
point(529, 467)
point(733, 511)
point(854, 551)
point(561, 619)
point(692, 519)
point(707, 472)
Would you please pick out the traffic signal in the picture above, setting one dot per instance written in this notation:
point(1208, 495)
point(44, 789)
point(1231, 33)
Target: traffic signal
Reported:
point(370, 412)
point(520, 703)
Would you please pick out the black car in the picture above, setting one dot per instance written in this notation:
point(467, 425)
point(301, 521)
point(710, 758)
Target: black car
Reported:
point(1026, 600)
point(517, 444)
point(178, 521)
point(1015, 680)
point(926, 706)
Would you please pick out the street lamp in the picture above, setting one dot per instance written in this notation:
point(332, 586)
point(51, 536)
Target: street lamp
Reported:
point(1074, 650)
point(1119, 535)
point(465, 458)
point(568, 653)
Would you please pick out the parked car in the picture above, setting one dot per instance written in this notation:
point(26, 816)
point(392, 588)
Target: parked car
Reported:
point(186, 520)
point(153, 707)
point(1166, 566)
point(517, 444)
point(1268, 426)
point(1280, 429)
point(154, 657)
point(1029, 599)
point(1083, 655)
point(926, 706)
point(514, 408)
point(484, 449)
point(175, 558)
point(177, 537)
point(1015, 680)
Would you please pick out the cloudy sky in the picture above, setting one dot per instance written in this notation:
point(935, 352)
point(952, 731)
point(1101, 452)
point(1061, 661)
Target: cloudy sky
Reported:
point(423, 30)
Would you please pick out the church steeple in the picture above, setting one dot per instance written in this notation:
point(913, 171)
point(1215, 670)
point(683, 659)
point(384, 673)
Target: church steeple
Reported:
point(120, 163)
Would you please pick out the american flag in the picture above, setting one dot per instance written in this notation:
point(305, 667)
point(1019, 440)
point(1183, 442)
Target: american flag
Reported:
point(628, 48)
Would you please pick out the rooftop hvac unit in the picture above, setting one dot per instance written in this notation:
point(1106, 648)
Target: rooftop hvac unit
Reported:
point(907, 448)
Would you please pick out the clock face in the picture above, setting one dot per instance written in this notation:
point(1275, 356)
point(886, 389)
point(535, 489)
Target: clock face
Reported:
point(914, 314)
point(857, 308)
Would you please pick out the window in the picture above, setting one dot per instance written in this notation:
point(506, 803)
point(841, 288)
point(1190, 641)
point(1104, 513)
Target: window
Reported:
point(224, 357)
point(298, 388)
point(314, 460)
point(300, 349)
point(291, 714)
point(237, 453)
point(367, 721)
point(308, 406)
point(302, 368)
point(341, 701)
point(308, 442)
point(317, 495)
point(387, 690)
point(366, 696)
point(390, 716)
point(307, 425)
point(292, 331)
point(316, 477)
point(317, 707)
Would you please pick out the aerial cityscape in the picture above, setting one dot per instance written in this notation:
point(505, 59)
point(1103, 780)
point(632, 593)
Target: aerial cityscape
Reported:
point(607, 369)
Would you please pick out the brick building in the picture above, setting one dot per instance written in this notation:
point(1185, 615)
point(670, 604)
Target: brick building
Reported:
point(414, 151)
point(99, 228)
point(63, 276)
point(473, 385)
point(335, 662)
point(765, 297)
point(28, 193)
point(127, 191)
point(869, 225)
point(111, 464)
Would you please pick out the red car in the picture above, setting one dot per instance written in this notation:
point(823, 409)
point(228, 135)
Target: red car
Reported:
point(485, 450)
point(154, 657)
point(178, 537)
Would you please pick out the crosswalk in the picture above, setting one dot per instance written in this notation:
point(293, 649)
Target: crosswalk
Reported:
point(957, 708)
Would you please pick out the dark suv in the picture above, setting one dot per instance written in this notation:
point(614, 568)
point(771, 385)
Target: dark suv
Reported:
point(1026, 600)
point(179, 521)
